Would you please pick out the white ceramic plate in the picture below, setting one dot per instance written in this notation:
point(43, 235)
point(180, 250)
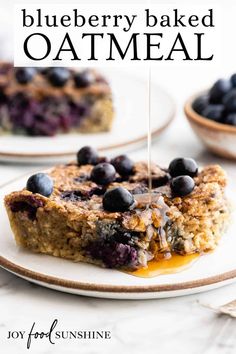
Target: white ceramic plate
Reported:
point(208, 272)
point(129, 130)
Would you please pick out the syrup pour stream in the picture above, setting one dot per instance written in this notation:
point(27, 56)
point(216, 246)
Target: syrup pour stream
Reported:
point(177, 262)
point(149, 136)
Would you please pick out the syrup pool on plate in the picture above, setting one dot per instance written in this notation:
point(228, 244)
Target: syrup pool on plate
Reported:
point(175, 264)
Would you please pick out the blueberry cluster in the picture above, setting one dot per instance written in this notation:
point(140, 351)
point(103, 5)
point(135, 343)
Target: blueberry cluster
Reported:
point(56, 76)
point(114, 254)
point(119, 199)
point(103, 173)
point(219, 103)
point(182, 171)
point(44, 117)
point(115, 246)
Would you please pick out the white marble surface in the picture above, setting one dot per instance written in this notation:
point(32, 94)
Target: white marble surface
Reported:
point(176, 325)
point(179, 325)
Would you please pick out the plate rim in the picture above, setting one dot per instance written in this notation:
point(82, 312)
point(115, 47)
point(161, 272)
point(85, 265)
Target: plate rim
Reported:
point(142, 138)
point(156, 132)
point(72, 284)
point(102, 288)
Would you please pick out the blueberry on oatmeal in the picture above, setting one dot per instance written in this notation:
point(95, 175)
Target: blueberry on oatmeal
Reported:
point(182, 186)
point(123, 165)
point(103, 173)
point(24, 75)
point(87, 155)
point(40, 183)
point(183, 166)
point(117, 199)
point(83, 79)
point(58, 77)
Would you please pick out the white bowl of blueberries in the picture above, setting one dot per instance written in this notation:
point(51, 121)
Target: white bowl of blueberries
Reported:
point(212, 115)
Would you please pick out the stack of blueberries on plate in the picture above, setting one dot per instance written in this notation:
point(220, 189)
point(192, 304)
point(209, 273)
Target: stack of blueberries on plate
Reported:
point(219, 103)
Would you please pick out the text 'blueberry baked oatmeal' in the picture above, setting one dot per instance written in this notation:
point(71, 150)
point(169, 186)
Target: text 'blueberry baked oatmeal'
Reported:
point(48, 101)
point(100, 211)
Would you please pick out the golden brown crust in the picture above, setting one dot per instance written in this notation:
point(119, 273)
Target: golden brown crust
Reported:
point(40, 87)
point(69, 178)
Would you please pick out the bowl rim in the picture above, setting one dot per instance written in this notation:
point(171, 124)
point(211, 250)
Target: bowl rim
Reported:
point(203, 121)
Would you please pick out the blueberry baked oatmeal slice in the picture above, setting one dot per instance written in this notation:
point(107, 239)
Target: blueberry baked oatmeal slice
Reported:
point(48, 101)
point(100, 211)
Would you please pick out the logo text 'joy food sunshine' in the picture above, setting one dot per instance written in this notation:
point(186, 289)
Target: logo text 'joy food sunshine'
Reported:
point(53, 334)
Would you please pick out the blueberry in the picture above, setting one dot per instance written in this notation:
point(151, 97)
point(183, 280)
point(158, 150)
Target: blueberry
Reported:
point(58, 76)
point(87, 156)
point(123, 165)
point(103, 159)
point(42, 70)
point(117, 199)
point(183, 166)
point(233, 80)
point(200, 103)
point(40, 183)
point(182, 185)
point(103, 173)
point(3, 97)
point(124, 237)
point(229, 101)
point(114, 254)
point(72, 196)
point(83, 79)
point(214, 112)
point(24, 75)
point(158, 181)
point(219, 89)
point(230, 119)
point(24, 207)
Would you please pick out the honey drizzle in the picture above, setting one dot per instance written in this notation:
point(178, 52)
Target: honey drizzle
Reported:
point(149, 136)
point(172, 263)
